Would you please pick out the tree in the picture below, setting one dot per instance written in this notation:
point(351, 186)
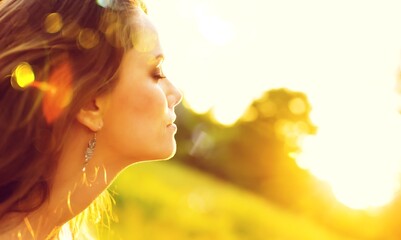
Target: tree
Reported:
point(255, 154)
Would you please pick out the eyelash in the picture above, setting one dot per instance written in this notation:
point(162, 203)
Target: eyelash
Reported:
point(158, 75)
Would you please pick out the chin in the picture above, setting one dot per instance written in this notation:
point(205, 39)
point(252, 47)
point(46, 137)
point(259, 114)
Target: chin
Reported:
point(170, 152)
point(164, 154)
point(163, 158)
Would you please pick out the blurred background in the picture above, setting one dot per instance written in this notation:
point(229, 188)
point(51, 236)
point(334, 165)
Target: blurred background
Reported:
point(289, 128)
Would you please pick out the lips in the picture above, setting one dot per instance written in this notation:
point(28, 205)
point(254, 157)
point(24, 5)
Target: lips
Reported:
point(172, 119)
point(171, 124)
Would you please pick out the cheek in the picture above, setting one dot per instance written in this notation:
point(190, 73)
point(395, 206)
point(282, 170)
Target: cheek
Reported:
point(146, 102)
point(140, 107)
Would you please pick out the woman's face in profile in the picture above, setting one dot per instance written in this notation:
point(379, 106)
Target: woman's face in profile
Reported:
point(138, 120)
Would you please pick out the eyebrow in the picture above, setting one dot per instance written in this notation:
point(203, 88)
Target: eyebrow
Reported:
point(159, 59)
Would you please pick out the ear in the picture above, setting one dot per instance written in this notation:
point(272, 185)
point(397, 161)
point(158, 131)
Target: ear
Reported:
point(91, 115)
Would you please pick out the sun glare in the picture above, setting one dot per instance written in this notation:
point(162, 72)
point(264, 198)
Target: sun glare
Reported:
point(361, 177)
point(225, 56)
point(358, 154)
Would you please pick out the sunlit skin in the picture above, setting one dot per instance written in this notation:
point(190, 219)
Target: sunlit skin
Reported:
point(134, 122)
point(139, 113)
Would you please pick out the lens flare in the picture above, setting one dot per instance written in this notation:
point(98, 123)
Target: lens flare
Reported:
point(144, 40)
point(297, 106)
point(88, 38)
point(53, 23)
point(111, 33)
point(104, 3)
point(268, 109)
point(23, 76)
point(59, 92)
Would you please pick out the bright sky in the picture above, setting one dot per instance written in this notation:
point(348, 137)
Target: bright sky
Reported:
point(344, 54)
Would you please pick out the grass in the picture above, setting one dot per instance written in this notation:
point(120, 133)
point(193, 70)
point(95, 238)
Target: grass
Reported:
point(168, 201)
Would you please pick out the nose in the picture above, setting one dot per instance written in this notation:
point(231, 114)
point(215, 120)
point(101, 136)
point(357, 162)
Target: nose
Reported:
point(174, 96)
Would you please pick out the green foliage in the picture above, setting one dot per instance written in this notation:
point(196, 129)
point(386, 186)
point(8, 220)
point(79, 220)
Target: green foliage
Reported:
point(164, 201)
point(255, 154)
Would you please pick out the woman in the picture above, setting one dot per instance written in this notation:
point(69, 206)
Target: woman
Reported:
point(82, 96)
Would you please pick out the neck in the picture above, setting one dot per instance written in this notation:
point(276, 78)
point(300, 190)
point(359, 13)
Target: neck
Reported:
point(72, 190)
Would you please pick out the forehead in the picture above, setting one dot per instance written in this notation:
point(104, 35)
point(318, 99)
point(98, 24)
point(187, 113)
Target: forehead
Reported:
point(145, 38)
point(145, 45)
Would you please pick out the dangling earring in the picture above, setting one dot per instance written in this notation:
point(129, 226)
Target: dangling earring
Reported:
point(89, 151)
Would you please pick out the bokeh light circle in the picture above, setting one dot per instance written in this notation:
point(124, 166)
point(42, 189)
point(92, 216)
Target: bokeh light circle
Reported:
point(22, 76)
point(53, 23)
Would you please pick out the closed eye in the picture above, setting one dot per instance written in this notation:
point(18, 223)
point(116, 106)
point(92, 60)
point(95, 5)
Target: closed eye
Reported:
point(158, 75)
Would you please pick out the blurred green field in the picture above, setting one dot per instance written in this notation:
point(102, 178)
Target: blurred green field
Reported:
point(168, 201)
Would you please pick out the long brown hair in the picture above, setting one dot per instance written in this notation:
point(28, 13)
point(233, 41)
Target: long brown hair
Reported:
point(70, 52)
